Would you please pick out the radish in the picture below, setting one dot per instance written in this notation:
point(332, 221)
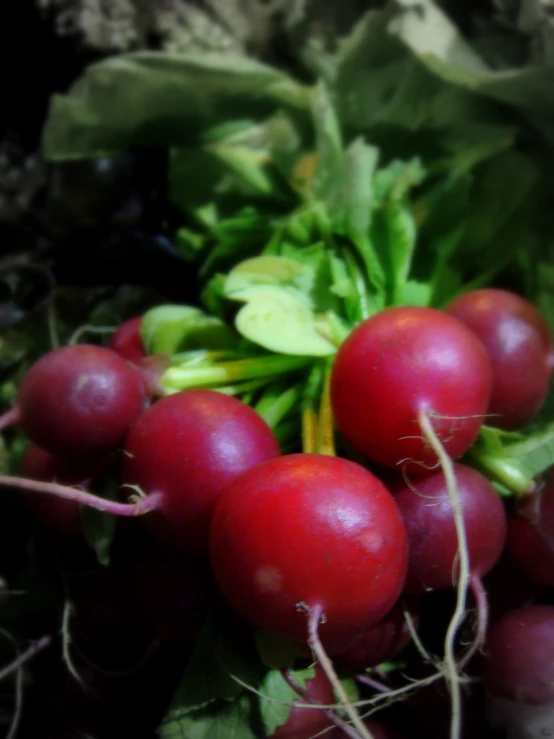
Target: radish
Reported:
point(531, 534)
point(518, 341)
point(180, 454)
point(519, 672)
point(435, 558)
point(427, 511)
point(308, 544)
point(61, 515)
point(127, 341)
point(403, 362)
point(188, 447)
point(306, 532)
point(78, 401)
point(382, 641)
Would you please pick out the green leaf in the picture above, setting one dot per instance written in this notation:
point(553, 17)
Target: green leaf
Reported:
point(274, 686)
point(168, 329)
point(329, 172)
point(414, 293)
point(501, 187)
point(514, 459)
point(218, 721)
point(208, 676)
point(383, 89)
point(275, 651)
point(99, 528)
point(162, 99)
point(545, 290)
point(238, 237)
point(282, 322)
point(534, 453)
point(438, 44)
point(360, 165)
point(281, 272)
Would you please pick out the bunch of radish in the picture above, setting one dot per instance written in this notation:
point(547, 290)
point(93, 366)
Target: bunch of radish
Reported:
point(312, 546)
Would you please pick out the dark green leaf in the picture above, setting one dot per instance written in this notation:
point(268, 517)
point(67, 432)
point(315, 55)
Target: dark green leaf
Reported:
point(99, 530)
point(383, 89)
point(98, 527)
point(436, 41)
point(161, 99)
point(231, 720)
point(501, 187)
point(275, 651)
point(208, 676)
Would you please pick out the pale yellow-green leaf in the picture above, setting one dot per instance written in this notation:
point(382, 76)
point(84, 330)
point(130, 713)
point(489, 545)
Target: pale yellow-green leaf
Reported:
point(281, 322)
point(267, 271)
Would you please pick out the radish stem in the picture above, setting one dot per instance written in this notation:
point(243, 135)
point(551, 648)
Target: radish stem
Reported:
point(325, 424)
point(144, 505)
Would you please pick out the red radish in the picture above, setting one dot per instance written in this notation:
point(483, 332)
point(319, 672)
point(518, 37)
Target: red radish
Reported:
point(427, 511)
point(519, 672)
point(78, 401)
point(61, 515)
point(127, 341)
point(382, 641)
point(530, 535)
point(305, 723)
point(403, 362)
point(188, 447)
point(306, 531)
point(181, 452)
point(518, 341)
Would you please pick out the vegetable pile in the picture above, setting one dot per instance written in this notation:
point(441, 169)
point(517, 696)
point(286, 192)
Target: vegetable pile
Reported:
point(296, 502)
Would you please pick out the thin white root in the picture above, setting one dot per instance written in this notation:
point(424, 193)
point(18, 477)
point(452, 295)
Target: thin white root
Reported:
point(17, 667)
point(481, 617)
point(18, 704)
point(25, 656)
point(66, 646)
point(326, 665)
point(450, 668)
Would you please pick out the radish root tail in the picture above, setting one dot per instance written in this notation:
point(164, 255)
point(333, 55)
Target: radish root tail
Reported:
point(450, 667)
point(314, 618)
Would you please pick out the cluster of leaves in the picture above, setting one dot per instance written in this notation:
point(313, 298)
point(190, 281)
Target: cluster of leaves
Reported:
point(415, 167)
